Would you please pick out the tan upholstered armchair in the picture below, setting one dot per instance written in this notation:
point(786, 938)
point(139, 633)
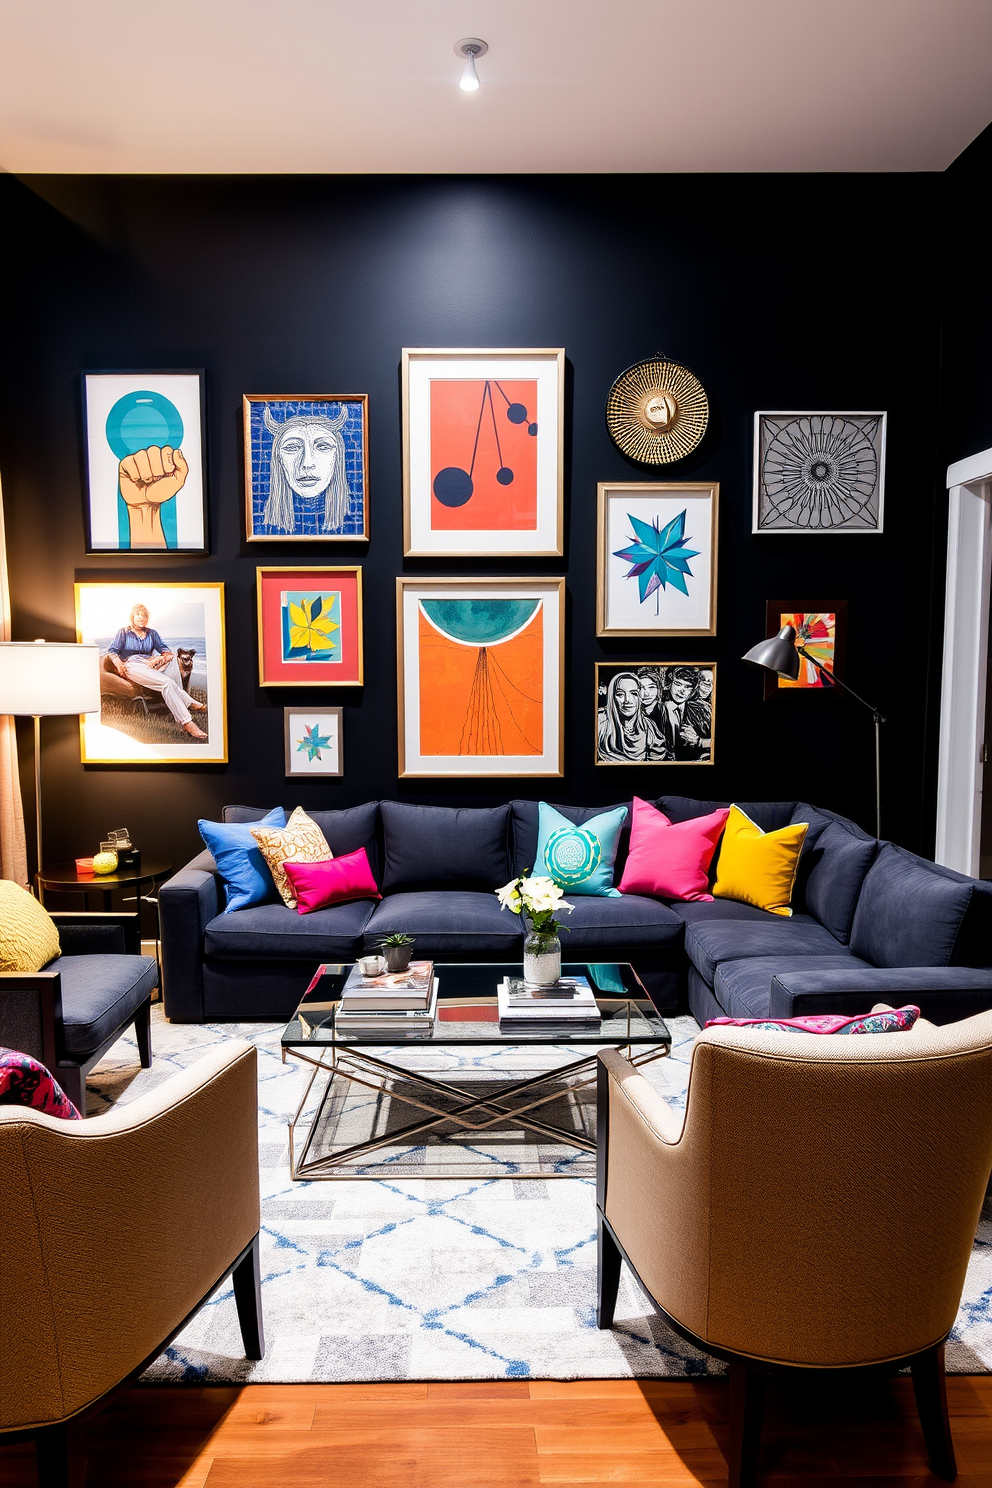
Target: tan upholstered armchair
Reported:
point(113, 1232)
point(815, 1208)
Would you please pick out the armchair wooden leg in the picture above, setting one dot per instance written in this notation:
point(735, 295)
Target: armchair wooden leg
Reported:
point(61, 1453)
point(747, 1399)
point(247, 1280)
point(143, 1032)
point(608, 1263)
point(73, 1082)
point(930, 1389)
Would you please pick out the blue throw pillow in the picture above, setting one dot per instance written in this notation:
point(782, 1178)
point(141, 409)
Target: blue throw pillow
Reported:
point(245, 873)
point(579, 858)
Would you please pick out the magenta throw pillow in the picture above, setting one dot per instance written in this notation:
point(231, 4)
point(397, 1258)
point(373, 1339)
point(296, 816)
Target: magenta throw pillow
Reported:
point(317, 885)
point(893, 1020)
point(671, 860)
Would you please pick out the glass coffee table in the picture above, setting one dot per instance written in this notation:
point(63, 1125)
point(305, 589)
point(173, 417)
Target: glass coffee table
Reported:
point(483, 1102)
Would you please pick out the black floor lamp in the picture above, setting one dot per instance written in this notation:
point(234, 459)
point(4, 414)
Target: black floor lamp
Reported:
point(781, 654)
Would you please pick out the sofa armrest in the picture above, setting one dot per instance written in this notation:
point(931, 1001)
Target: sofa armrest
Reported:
point(944, 994)
point(187, 903)
point(30, 1012)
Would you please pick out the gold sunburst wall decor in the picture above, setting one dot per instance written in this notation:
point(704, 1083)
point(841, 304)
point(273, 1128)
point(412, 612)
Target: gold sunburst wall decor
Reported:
point(657, 411)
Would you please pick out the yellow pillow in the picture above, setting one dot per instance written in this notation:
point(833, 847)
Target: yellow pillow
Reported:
point(299, 841)
point(758, 867)
point(28, 937)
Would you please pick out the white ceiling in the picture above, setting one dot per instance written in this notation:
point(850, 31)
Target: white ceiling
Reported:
point(568, 85)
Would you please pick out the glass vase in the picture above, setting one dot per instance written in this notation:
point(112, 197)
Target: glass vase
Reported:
point(542, 958)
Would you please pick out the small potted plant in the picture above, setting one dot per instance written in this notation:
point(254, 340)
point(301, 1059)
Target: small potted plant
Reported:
point(538, 900)
point(396, 949)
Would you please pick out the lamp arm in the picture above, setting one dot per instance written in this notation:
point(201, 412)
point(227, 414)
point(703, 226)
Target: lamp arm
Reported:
point(826, 672)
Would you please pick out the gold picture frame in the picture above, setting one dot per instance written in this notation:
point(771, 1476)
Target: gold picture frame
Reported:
point(342, 500)
point(136, 724)
point(669, 588)
point(277, 588)
point(511, 466)
point(657, 734)
point(480, 699)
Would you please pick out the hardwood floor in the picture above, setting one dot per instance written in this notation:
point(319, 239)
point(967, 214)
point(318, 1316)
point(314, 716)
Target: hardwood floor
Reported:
point(514, 1435)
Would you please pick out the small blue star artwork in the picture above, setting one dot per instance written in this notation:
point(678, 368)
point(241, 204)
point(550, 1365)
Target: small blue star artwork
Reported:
point(657, 559)
point(313, 741)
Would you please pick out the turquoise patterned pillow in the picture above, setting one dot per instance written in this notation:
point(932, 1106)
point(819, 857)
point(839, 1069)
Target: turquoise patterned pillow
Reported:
point(579, 858)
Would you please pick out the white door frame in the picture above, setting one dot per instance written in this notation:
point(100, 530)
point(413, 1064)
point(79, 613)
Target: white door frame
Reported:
point(966, 631)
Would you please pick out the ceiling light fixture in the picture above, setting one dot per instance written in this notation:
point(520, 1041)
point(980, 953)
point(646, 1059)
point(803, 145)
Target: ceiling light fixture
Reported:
point(469, 48)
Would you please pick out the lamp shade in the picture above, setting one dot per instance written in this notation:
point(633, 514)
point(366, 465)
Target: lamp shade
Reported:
point(777, 654)
point(48, 677)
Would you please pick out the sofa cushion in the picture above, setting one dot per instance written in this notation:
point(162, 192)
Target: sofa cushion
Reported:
point(910, 912)
point(769, 815)
point(580, 859)
point(445, 847)
point(625, 925)
point(345, 831)
point(242, 868)
point(459, 925)
point(273, 930)
point(524, 830)
point(758, 867)
point(100, 996)
point(319, 885)
point(743, 988)
point(708, 944)
point(834, 870)
point(703, 913)
point(882, 1020)
point(670, 860)
point(299, 841)
point(28, 937)
point(944, 994)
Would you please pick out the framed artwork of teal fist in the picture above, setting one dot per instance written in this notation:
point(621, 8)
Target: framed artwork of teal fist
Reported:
point(145, 488)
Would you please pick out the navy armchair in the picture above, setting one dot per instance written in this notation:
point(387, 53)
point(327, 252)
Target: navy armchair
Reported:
point(68, 1014)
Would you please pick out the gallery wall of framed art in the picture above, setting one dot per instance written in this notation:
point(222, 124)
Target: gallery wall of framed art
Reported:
point(301, 296)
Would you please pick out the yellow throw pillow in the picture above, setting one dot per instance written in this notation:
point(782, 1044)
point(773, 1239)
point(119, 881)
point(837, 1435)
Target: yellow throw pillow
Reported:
point(28, 937)
point(758, 867)
point(299, 841)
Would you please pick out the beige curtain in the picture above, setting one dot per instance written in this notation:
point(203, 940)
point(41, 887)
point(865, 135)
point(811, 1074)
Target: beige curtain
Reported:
point(13, 853)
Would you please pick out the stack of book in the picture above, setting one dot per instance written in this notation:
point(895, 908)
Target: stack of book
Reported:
point(568, 1006)
point(393, 1002)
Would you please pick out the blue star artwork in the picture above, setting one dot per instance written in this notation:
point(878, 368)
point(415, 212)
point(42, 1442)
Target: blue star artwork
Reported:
point(658, 556)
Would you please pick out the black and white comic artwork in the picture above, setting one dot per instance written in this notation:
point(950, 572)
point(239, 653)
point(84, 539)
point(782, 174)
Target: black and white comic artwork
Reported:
point(658, 714)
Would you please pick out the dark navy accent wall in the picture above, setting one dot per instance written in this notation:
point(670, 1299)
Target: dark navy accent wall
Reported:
point(794, 292)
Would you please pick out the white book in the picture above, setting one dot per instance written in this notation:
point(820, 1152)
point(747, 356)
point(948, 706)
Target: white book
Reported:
point(413, 1020)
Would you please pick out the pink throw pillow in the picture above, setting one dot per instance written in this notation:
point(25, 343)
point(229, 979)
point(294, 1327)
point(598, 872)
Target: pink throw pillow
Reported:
point(885, 1020)
point(316, 885)
point(671, 860)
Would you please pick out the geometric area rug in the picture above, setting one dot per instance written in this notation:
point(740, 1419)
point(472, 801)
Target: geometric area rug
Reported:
point(469, 1279)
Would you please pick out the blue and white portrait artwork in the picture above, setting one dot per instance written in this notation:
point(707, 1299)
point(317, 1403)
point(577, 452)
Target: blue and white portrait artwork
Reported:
point(306, 468)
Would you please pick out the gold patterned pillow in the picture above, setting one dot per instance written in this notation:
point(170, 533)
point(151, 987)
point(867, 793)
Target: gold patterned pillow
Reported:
point(299, 841)
point(28, 937)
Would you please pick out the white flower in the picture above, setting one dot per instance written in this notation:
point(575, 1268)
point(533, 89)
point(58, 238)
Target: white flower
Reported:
point(509, 896)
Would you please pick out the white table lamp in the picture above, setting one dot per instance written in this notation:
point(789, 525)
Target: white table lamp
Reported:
point(42, 678)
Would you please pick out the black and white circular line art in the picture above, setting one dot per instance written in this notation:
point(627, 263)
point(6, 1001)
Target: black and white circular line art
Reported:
point(819, 472)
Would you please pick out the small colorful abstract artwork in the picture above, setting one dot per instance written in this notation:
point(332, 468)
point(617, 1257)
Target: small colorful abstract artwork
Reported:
point(480, 676)
point(306, 468)
point(821, 631)
point(144, 462)
point(657, 559)
point(313, 741)
point(310, 627)
point(482, 452)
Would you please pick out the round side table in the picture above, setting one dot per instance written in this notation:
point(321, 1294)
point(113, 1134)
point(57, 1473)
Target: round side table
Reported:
point(63, 878)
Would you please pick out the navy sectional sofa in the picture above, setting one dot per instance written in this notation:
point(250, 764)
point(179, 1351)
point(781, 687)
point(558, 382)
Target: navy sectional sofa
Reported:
point(871, 922)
